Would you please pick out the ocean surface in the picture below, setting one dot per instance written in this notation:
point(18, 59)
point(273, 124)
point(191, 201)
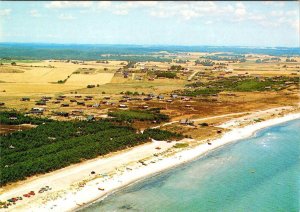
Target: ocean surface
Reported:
point(261, 173)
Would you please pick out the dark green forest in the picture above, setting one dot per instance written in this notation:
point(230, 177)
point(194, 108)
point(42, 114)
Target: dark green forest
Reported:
point(58, 144)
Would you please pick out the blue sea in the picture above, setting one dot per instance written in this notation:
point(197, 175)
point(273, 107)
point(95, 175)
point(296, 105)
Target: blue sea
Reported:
point(261, 173)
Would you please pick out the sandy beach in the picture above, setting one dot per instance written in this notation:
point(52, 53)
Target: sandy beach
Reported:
point(129, 167)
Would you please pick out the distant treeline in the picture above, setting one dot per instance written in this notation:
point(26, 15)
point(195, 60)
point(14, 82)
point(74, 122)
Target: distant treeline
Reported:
point(15, 118)
point(246, 84)
point(30, 51)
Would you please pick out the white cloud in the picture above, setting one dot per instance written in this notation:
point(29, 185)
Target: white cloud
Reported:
point(5, 12)
point(208, 22)
point(123, 8)
point(35, 13)
point(120, 12)
point(240, 11)
point(66, 17)
point(69, 4)
point(104, 4)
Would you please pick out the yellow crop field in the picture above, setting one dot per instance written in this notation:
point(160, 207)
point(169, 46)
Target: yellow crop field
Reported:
point(87, 79)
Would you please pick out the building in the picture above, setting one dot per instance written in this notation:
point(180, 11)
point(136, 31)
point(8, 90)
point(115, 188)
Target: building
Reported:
point(64, 114)
point(186, 122)
point(25, 99)
point(122, 106)
point(37, 110)
point(90, 118)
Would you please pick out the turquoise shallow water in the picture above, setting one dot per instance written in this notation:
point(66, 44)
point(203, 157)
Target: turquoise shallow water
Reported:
point(261, 173)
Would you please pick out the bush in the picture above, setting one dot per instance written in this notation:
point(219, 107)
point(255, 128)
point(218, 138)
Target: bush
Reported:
point(166, 74)
point(161, 135)
point(204, 124)
point(181, 145)
point(131, 115)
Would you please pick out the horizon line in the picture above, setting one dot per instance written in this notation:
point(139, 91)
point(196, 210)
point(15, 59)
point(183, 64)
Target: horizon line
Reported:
point(149, 45)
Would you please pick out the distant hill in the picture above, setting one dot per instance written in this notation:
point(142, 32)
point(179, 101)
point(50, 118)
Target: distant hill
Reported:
point(121, 52)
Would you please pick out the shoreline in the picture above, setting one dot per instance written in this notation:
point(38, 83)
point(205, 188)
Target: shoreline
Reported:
point(88, 196)
point(100, 186)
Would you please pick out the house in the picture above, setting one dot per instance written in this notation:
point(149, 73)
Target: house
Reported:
point(61, 96)
point(80, 103)
point(122, 106)
point(96, 105)
point(77, 112)
point(25, 99)
point(37, 110)
point(107, 97)
point(46, 97)
point(64, 105)
point(151, 95)
point(2, 103)
point(125, 74)
point(40, 103)
point(12, 118)
point(56, 102)
point(73, 100)
point(186, 99)
point(160, 97)
point(78, 96)
point(91, 86)
point(44, 100)
point(174, 96)
point(64, 114)
point(147, 98)
point(169, 100)
point(134, 99)
point(123, 100)
point(90, 118)
point(186, 122)
point(144, 106)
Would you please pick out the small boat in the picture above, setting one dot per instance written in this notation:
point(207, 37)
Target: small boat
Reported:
point(101, 189)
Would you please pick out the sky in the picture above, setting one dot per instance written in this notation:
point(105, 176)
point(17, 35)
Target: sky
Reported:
point(260, 24)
